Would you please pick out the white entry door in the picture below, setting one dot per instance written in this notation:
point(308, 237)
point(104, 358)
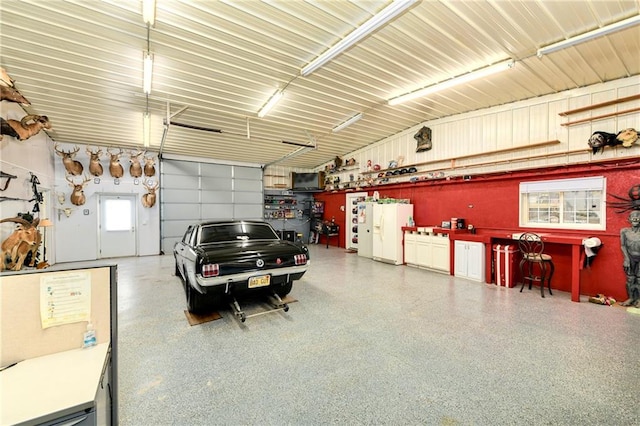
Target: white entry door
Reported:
point(117, 226)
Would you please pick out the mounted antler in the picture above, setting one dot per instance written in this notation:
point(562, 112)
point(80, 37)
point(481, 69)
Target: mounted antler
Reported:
point(149, 166)
point(77, 196)
point(149, 199)
point(28, 126)
point(95, 168)
point(115, 168)
point(135, 170)
point(72, 166)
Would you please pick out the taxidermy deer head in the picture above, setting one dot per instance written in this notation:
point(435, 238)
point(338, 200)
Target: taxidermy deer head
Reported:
point(115, 168)
point(95, 168)
point(135, 169)
point(149, 199)
point(77, 195)
point(72, 166)
point(149, 166)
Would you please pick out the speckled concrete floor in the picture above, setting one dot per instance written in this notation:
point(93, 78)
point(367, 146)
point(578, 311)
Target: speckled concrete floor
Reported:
point(371, 343)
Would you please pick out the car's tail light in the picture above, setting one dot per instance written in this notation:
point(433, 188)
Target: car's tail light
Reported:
point(210, 270)
point(300, 259)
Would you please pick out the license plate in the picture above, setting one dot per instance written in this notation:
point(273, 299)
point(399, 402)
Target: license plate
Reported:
point(261, 281)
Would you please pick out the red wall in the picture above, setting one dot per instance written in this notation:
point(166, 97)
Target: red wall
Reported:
point(490, 202)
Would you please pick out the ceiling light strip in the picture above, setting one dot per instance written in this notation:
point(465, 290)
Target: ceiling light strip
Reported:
point(347, 123)
point(270, 103)
point(465, 78)
point(149, 12)
point(608, 29)
point(376, 21)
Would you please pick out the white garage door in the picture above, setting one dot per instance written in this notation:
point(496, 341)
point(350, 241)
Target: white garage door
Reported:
point(193, 192)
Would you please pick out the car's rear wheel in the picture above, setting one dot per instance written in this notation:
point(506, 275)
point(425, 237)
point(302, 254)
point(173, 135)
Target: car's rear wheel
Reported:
point(284, 289)
point(196, 302)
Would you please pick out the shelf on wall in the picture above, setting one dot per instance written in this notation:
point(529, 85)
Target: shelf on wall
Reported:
point(600, 117)
point(600, 105)
point(462, 157)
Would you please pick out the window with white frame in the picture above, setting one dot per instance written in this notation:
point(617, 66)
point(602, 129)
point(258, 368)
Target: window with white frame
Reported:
point(564, 204)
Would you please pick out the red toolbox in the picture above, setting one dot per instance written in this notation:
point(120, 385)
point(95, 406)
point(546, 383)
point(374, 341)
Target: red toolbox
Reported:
point(506, 264)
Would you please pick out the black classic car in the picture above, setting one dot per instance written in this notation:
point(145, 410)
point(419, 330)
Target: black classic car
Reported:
point(219, 260)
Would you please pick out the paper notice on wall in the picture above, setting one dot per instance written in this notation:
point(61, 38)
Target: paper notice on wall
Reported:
point(65, 298)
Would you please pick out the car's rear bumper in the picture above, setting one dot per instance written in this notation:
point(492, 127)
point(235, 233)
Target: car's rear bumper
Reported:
point(223, 284)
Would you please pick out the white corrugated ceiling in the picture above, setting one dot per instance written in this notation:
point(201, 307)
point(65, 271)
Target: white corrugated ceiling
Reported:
point(217, 62)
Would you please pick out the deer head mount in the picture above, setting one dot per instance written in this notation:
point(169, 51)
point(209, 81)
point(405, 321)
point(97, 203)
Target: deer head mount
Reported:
point(135, 169)
point(115, 168)
point(72, 166)
point(95, 168)
point(149, 166)
point(149, 199)
point(77, 196)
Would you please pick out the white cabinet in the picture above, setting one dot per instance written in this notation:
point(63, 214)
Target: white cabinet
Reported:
point(427, 251)
point(469, 260)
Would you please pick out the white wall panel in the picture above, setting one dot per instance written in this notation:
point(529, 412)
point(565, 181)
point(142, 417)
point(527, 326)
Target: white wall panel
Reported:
point(539, 120)
point(518, 125)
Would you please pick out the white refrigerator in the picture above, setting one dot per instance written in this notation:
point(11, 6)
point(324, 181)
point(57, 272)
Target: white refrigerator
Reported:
point(365, 229)
point(388, 220)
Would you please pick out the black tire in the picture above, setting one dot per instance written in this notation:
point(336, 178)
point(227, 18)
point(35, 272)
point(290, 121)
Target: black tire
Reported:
point(196, 302)
point(177, 271)
point(284, 289)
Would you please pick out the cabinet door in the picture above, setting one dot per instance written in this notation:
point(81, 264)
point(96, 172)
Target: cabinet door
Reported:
point(410, 248)
point(424, 253)
point(460, 259)
point(441, 254)
point(475, 261)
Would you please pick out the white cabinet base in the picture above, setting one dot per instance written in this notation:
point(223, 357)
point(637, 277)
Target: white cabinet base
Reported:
point(427, 251)
point(469, 258)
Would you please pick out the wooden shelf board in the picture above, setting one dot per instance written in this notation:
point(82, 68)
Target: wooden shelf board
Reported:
point(600, 105)
point(600, 117)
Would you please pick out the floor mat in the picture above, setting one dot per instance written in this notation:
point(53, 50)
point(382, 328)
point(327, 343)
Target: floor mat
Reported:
point(195, 319)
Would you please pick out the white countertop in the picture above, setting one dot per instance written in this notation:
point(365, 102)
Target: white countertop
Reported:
point(47, 387)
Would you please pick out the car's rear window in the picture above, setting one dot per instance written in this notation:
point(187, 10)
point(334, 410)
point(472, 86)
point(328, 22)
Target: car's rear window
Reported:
point(236, 232)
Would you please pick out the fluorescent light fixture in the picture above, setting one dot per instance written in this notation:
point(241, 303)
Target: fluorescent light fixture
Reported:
point(147, 73)
point(149, 12)
point(146, 129)
point(349, 122)
point(465, 78)
point(620, 25)
point(376, 21)
point(270, 103)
